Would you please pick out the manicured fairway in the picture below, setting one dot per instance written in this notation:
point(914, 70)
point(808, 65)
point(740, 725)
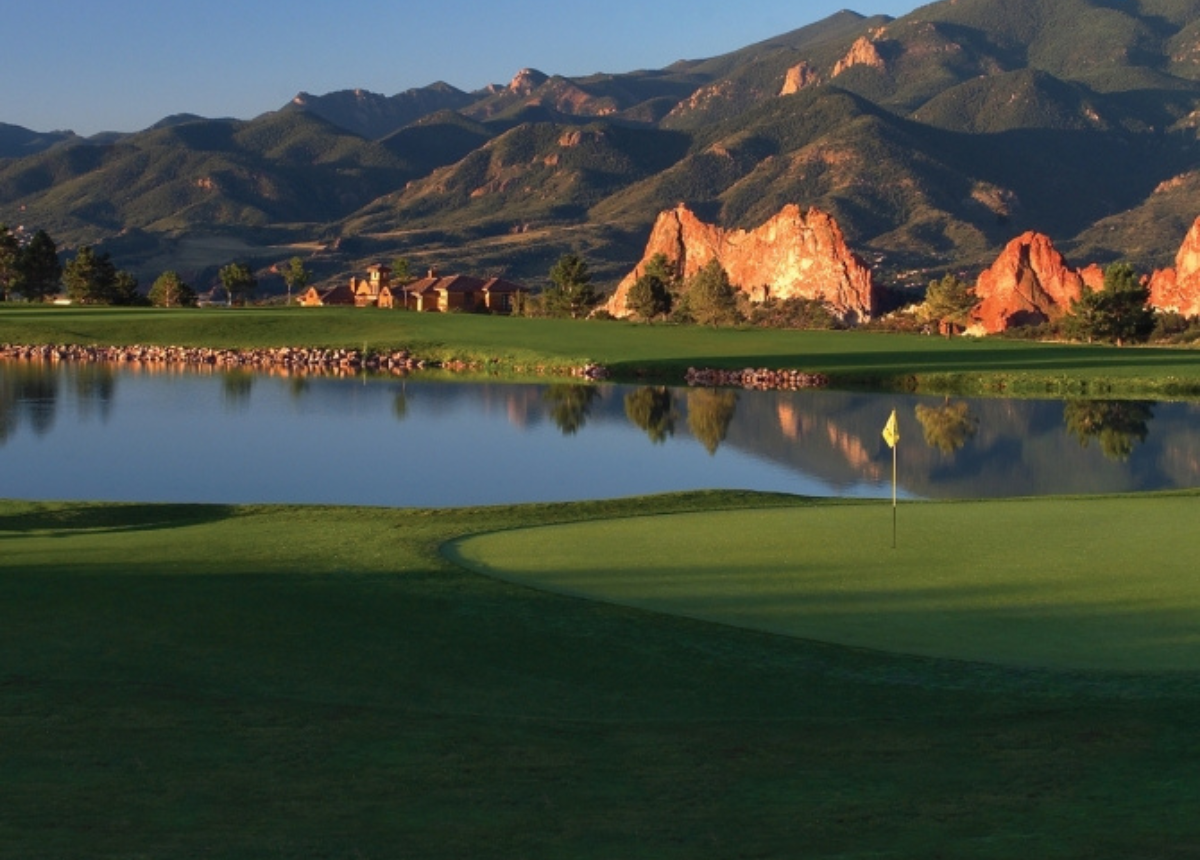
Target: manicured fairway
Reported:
point(198, 681)
point(1111, 583)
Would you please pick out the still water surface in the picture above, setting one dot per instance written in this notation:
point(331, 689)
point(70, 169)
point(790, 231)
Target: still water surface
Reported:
point(124, 434)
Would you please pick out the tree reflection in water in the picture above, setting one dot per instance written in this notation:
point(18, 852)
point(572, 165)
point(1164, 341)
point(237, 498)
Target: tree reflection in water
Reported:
point(710, 411)
point(569, 405)
point(27, 393)
point(95, 385)
point(235, 388)
point(947, 427)
point(652, 410)
point(1117, 425)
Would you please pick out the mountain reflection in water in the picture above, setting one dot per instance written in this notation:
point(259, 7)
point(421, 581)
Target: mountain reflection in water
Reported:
point(128, 433)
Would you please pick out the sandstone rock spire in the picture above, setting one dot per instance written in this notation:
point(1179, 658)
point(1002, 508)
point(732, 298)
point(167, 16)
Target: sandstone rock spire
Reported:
point(793, 255)
point(1178, 289)
point(1030, 283)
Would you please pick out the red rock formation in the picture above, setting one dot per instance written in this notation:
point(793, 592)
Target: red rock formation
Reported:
point(864, 52)
point(794, 255)
point(1178, 289)
point(799, 77)
point(1029, 283)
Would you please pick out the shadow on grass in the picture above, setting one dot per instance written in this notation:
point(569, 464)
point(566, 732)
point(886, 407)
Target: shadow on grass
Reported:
point(63, 519)
point(1003, 356)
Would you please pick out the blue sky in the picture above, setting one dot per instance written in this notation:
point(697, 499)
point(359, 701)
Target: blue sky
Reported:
point(121, 65)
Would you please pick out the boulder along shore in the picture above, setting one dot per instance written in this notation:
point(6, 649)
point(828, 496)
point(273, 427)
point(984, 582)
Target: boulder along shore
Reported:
point(295, 359)
point(349, 361)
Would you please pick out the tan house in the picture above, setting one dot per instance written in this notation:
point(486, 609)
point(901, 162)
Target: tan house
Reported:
point(433, 293)
point(330, 296)
point(437, 293)
point(367, 290)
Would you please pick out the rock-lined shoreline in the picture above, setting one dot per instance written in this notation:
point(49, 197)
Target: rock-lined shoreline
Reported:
point(298, 359)
point(349, 361)
point(762, 379)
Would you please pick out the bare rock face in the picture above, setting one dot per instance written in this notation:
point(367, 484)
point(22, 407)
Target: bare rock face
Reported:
point(799, 77)
point(862, 53)
point(1178, 289)
point(794, 255)
point(1030, 283)
point(526, 81)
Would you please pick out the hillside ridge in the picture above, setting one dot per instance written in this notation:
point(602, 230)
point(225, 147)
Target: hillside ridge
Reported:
point(934, 139)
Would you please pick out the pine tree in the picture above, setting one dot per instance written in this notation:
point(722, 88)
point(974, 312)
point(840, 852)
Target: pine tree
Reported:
point(948, 303)
point(572, 293)
point(710, 296)
point(10, 269)
point(1118, 313)
point(40, 269)
point(90, 278)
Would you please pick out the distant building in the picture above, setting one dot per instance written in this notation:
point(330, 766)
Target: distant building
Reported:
point(330, 296)
point(367, 290)
point(438, 293)
point(433, 293)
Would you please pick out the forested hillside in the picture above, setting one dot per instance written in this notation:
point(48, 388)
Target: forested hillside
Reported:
point(933, 139)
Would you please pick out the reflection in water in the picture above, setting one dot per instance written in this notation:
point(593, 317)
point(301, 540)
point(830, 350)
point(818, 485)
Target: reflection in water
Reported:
point(27, 396)
point(1117, 425)
point(652, 410)
point(95, 385)
point(165, 436)
point(947, 427)
point(235, 388)
point(298, 385)
point(710, 411)
point(569, 405)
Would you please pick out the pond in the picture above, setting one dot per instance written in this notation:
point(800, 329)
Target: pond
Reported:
point(122, 433)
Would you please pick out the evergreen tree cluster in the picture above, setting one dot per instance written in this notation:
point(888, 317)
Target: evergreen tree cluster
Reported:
point(28, 270)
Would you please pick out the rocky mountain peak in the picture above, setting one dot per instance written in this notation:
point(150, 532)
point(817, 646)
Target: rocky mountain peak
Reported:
point(526, 81)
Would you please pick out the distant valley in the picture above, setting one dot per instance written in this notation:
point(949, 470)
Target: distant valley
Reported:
point(933, 139)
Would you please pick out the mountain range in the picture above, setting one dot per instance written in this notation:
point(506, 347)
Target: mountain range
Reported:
point(932, 139)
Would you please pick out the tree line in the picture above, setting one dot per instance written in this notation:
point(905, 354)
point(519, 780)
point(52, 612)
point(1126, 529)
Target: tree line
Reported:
point(30, 269)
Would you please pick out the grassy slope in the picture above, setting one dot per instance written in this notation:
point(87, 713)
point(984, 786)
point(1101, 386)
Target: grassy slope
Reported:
point(633, 350)
point(318, 682)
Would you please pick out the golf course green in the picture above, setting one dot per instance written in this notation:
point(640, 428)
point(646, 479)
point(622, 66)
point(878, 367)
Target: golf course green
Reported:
point(1101, 583)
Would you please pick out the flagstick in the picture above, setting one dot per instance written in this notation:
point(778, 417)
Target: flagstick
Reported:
point(891, 435)
point(894, 447)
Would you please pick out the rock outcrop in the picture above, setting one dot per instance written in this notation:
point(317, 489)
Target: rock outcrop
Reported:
point(1178, 289)
point(799, 77)
point(864, 52)
point(1030, 283)
point(794, 255)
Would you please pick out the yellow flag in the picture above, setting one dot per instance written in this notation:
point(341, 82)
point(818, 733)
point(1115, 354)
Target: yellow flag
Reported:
point(891, 431)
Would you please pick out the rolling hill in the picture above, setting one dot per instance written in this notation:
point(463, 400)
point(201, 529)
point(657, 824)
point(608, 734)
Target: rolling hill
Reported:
point(933, 139)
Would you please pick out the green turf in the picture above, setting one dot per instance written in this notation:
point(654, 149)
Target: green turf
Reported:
point(631, 350)
point(197, 681)
point(1064, 583)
